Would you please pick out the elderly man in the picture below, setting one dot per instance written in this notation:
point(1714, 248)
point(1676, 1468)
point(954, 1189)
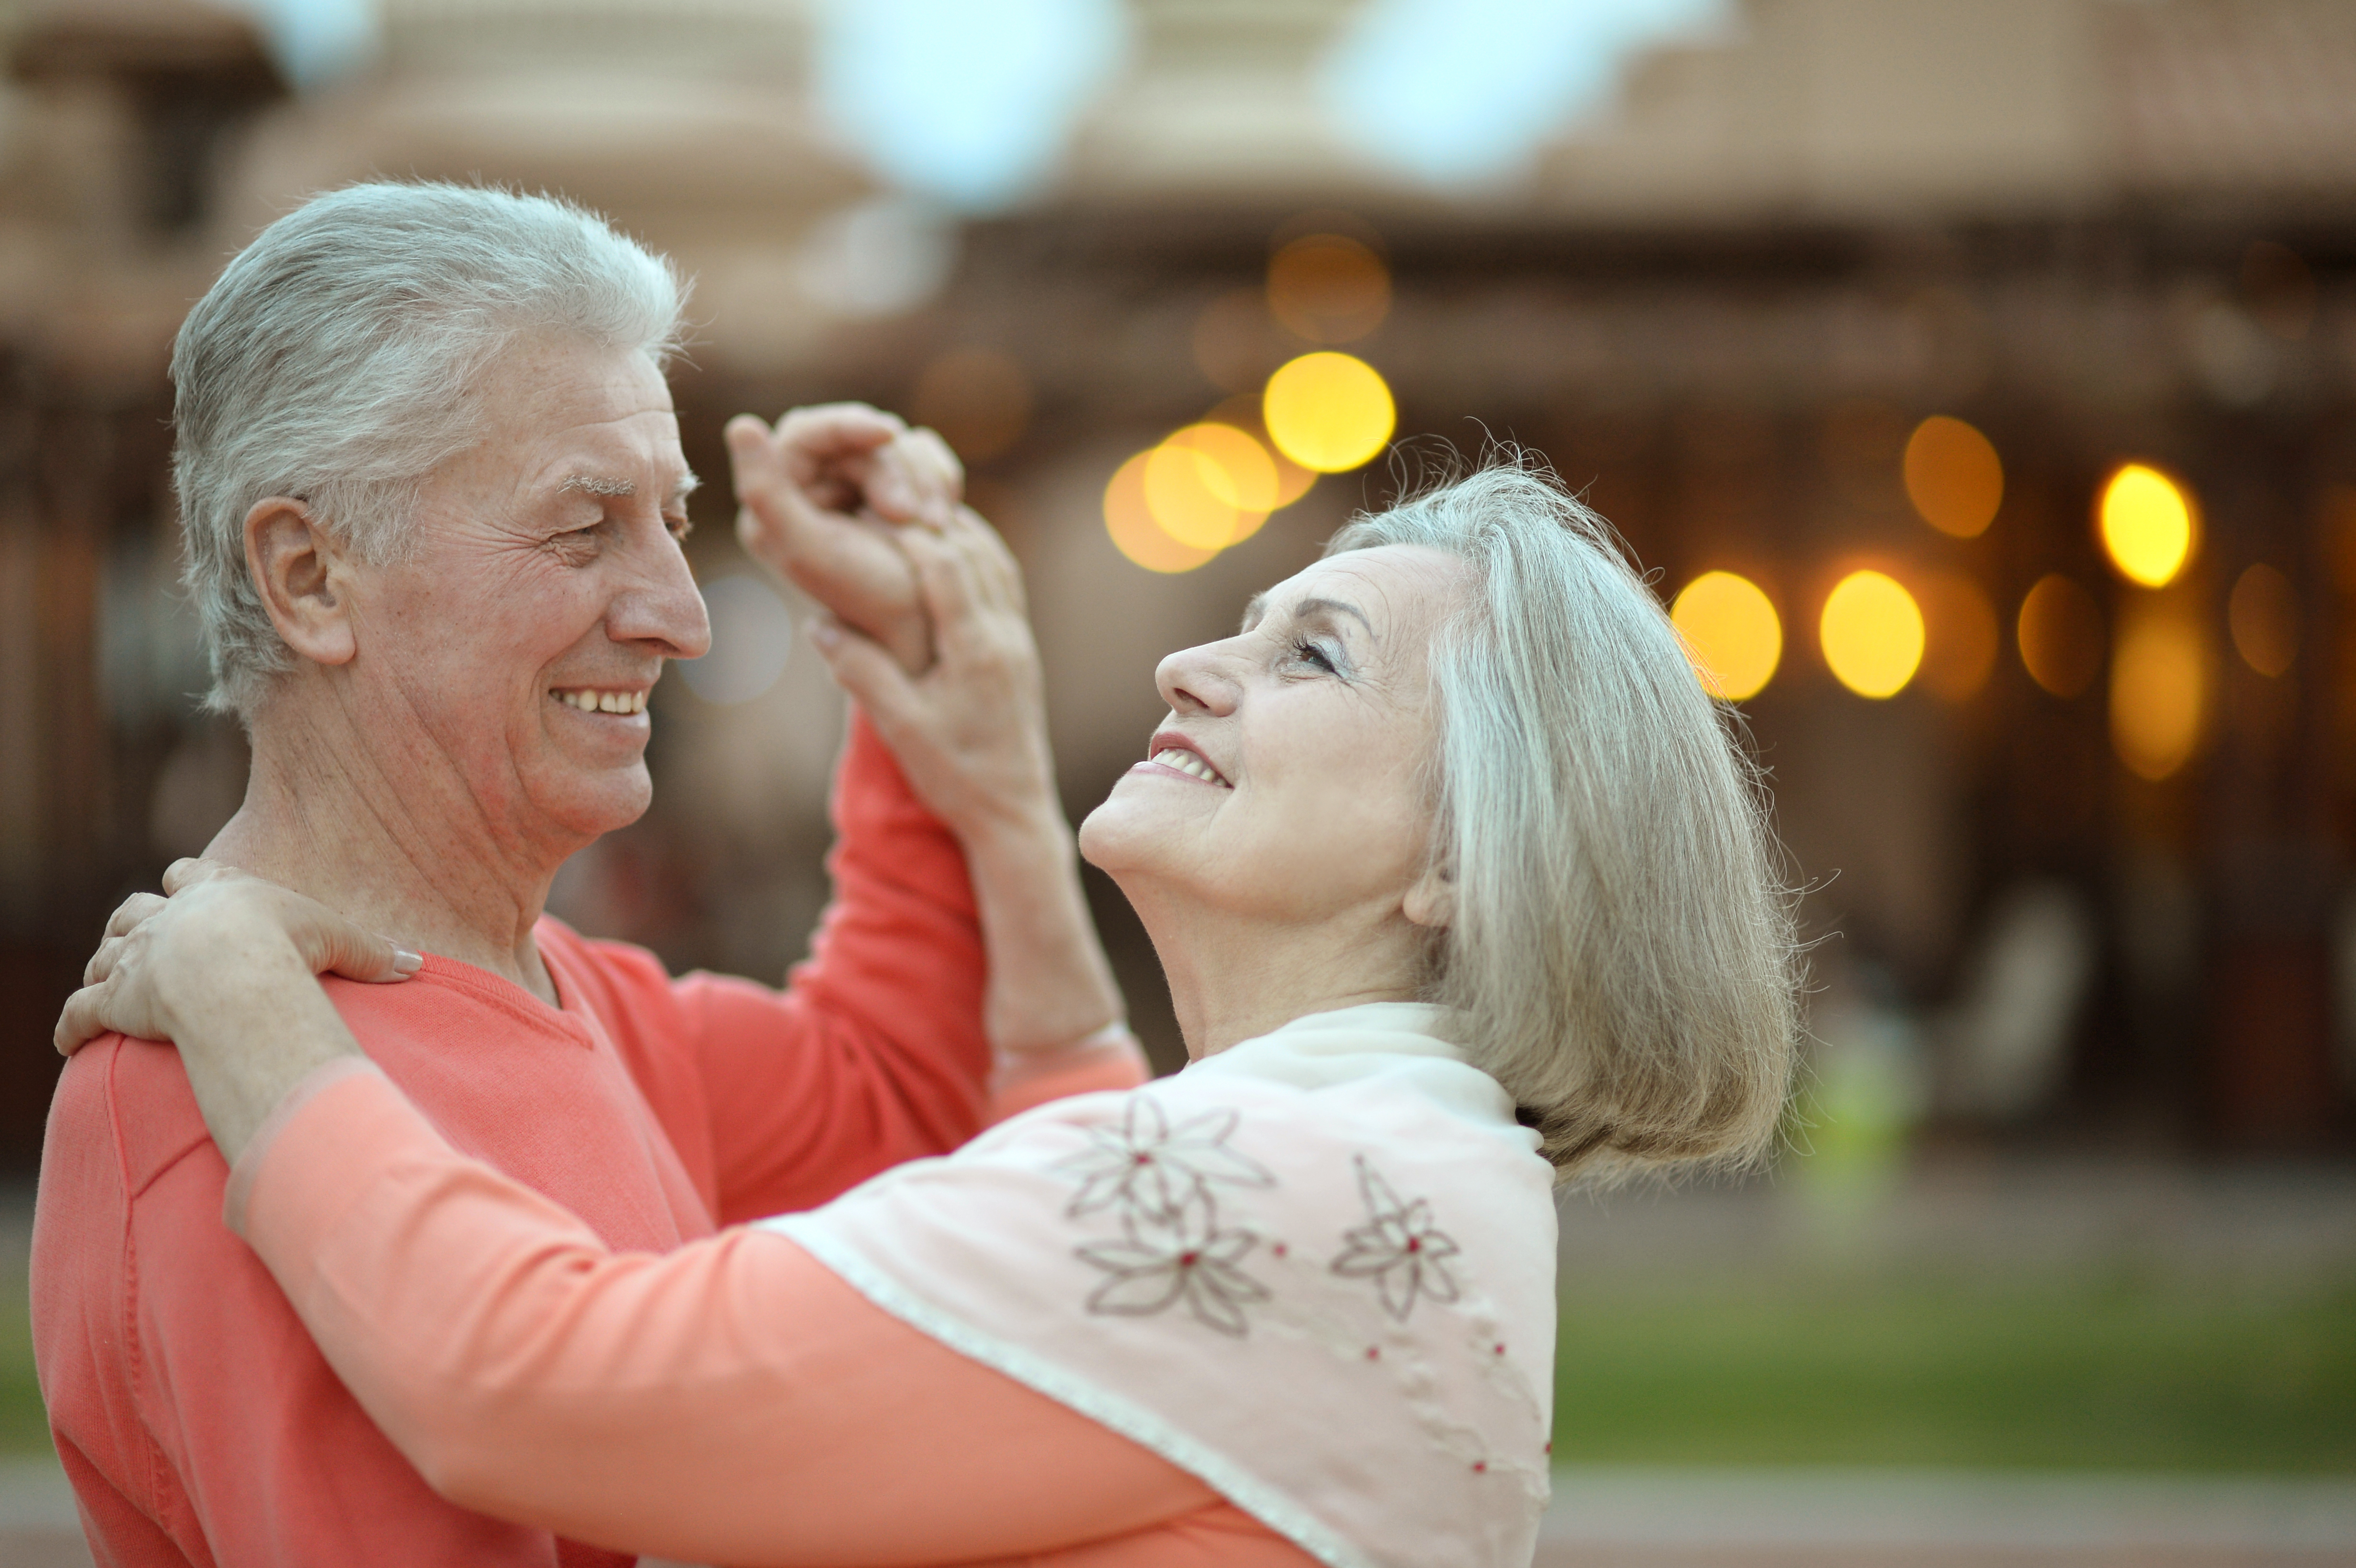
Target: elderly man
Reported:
point(434, 494)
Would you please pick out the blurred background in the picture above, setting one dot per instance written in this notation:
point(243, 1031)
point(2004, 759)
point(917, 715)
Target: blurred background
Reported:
point(1977, 378)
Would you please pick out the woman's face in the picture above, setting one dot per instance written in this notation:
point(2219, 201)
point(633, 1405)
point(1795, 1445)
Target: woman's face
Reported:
point(1287, 783)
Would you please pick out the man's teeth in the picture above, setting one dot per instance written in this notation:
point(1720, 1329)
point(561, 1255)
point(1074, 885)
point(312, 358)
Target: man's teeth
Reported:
point(606, 702)
point(1189, 763)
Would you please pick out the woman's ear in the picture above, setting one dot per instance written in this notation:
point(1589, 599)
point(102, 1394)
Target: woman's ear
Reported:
point(299, 574)
point(1432, 901)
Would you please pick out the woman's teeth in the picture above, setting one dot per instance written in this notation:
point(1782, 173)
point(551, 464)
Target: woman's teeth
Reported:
point(606, 702)
point(1187, 762)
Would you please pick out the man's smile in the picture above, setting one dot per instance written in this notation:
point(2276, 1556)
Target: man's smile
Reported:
point(593, 699)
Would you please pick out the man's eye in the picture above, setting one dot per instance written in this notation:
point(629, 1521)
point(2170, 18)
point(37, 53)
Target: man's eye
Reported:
point(679, 526)
point(1310, 653)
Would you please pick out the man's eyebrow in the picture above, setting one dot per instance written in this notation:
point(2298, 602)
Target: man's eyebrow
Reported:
point(598, 484)
point(1259, 607)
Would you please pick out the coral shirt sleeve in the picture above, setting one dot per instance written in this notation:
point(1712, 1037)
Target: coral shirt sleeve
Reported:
point(874, 1053)
point(731, 1400)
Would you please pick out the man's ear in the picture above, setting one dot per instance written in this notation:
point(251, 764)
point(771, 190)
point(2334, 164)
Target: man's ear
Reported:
point(1432, 901)
point(300, 574)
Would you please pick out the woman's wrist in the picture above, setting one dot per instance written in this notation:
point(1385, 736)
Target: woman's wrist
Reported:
point(250, 1031)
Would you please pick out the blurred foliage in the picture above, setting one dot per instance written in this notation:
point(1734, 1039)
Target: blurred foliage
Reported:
point(2118, 1371)
point(23, 1427)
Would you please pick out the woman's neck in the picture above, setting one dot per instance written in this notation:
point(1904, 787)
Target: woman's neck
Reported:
point(1234, 979)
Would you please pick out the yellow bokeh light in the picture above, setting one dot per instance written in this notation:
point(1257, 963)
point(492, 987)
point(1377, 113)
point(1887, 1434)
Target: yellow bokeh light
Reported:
point(1241, 473)
point(1871, 632)
point(2147, 525)
point(1953, 476)
point(1292, 480)
point(1328, 411)
point(1182, 489)
point(1732, 632)
point(1134, 532)
point(2158, 695)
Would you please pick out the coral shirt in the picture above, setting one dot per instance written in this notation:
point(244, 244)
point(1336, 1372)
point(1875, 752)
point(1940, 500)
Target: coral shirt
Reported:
point(198, 1422)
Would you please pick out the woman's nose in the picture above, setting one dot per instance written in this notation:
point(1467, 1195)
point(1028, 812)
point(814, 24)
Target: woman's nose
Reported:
point(1192, 680)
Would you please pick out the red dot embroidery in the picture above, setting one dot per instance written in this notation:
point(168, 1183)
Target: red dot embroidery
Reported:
point(1550, 1447)
point(1280, 1249)
point(1374, 1352)
point(1480, 1467)
point(1501, 1349)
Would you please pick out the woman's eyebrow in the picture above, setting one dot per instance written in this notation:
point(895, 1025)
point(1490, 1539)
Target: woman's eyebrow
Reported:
point(1259, 607)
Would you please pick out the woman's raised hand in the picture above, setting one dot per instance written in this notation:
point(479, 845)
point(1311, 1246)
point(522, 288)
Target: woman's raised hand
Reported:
point(823, 500)
point(158, 951)
point(971, 733)
point(969, 730)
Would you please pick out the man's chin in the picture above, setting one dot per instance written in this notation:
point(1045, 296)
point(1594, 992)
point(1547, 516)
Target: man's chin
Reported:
point(604, 802)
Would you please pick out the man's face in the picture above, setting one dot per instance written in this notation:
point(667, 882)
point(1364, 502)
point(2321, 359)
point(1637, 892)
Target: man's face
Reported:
point(543, 590)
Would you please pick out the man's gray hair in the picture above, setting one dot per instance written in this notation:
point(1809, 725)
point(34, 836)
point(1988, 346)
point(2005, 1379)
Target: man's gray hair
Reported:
point(335, 359)
point(1621, 947)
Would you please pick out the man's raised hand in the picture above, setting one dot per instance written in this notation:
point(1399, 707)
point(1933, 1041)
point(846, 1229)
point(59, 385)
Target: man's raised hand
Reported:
point(821, 497)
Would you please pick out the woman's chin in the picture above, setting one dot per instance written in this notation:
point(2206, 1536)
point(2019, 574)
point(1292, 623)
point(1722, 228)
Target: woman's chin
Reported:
point(1122, 835)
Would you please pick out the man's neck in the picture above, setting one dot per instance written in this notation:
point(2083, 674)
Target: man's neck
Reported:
point(409, 857)
point(1233, 978)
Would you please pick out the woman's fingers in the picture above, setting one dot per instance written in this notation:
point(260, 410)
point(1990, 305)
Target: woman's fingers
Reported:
point(101, 962)
point(131, 911)
point(188, 874)
point(82, 1021)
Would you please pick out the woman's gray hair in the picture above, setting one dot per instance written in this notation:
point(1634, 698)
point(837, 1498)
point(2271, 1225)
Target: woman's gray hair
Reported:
point(334, 360)
point(1621, 948)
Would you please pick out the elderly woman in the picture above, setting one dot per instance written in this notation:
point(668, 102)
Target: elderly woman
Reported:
point(1463, 891)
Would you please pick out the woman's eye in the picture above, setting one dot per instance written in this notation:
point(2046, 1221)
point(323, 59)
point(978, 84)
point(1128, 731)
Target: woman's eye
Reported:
point(1310, 653)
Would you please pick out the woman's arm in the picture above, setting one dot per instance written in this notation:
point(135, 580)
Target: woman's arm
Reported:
point(733, 1401)
point(935, 642)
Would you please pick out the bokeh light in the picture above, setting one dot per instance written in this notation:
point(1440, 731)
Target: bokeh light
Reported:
point(1871, 632)
point(1183, 494)
point(1240, 471)
point(978, 398)
point(2060, 634)
point(1292, 480)
point(1953, 476)
point(752, 642)
point(1733, 633)
point(1328, 411)
point(1329, 288)
point(2147, 525)
point(2263, 615)
point(2157, 694)
point(1131, 526)
point(1960, 635)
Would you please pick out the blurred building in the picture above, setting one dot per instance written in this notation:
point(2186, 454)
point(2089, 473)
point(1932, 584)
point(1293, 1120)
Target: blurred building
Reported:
point(2086, 875)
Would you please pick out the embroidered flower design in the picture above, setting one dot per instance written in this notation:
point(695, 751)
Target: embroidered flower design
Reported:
point(1156, 1266)
point(1153, 1170)
point(1399, 1247)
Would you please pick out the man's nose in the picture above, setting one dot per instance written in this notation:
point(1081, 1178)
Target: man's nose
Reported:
point(1196, 680)
point(662, 609)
